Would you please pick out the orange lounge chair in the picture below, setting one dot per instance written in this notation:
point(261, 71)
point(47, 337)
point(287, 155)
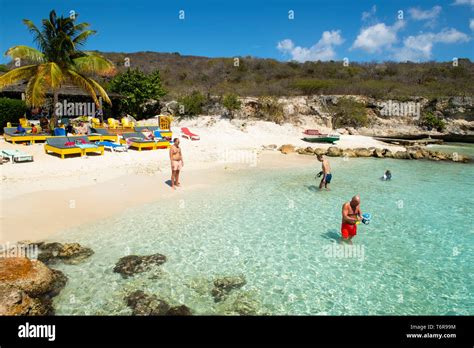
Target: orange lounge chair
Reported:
point(186, 133)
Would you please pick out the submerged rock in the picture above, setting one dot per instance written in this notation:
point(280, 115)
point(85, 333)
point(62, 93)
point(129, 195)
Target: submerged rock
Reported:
point(69, 253)
point(222, 286)
point(27, 286)
point(129, 265)
point(144, 304)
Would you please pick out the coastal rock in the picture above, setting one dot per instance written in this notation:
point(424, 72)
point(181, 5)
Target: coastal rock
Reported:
point(401, 155)
point(16, 302)
point(349, 153)
point(129, 265)
point(33, 277)
point(69, 253)
point(320, 151)
point(379, 153)
point(387, 153)
point(309, 150)
point(222, 286)
point(416, 154)
point(286, 149)
point(334, 151)
point(362, 152)
point(269, 147)
point(144, 304)
point(27, 286)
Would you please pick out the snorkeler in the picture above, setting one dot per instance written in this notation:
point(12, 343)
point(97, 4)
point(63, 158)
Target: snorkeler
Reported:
point(387, 175)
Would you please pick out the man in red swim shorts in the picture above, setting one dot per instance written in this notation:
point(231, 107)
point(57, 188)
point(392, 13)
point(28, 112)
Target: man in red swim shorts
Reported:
point(351, 214)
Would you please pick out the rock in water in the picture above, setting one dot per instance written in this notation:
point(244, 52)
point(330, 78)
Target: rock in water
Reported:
point(287, 148)
point(129, 265)
point(27, 287)
point(348, 153)
point(334, 151)
point(401, 155)
point(379, 153)
point(144, 304)
point(361, 152)
point(223, 286)
point(319, 151)
point(69, 253)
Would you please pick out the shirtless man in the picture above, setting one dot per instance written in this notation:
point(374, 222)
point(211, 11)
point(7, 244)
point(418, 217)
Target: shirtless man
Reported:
point(351, 214)
point(177, 163)
point(327, 176)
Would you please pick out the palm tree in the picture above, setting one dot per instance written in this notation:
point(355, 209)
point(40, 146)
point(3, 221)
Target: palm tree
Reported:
point(57, 61)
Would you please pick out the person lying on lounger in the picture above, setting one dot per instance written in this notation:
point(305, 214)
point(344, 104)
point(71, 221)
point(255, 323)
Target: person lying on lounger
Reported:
point(148, 134)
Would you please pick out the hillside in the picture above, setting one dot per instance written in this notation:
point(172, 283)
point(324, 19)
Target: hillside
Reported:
point(257, 77)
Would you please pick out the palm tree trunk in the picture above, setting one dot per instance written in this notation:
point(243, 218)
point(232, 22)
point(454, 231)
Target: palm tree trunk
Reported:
point(54, 118)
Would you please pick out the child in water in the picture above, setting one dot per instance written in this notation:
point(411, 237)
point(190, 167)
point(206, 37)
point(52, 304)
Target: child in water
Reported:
point(387, 175)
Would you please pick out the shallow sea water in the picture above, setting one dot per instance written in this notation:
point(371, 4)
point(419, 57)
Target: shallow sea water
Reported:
point(282, 234)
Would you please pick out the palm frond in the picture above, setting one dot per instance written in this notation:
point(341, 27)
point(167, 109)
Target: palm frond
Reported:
point(25, 52)
point(82, 82)
point(94, 63)
point(36, 88)
point(101, 91)
point(38, 35)
point(53, 75)
point(18, 74)
point(82, 37)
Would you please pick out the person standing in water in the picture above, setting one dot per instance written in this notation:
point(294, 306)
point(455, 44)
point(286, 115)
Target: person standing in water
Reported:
point(177, 163)
point(351, 215)
point(326, 172)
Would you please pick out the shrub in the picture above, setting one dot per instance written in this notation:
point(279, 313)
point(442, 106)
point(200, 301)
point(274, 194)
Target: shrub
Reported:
point(308, 87)
point(270, 110)
point(349, 113)
point(191, 105)
point(231, 102)
point(431, 121)
point(138, 88)
point(11, 110)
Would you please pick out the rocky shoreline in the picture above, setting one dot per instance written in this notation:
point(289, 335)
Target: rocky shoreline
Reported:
point(28, 284)
point(413, 152)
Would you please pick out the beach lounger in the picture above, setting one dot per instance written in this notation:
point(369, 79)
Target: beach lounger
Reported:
point(104, 135)
point(137, 140)
point(12, 137)
point(16, 156)
point(164, 132)
point(67, 146)
point(186, 133)
point(108, 145)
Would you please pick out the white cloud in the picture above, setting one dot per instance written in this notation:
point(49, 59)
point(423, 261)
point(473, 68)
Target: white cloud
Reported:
point(322, 50)
point(464, 2)
point(430, 16)
point(471, 24)
point(368, 14)
point(420, 15)
point(419, 47)
point(377, 37)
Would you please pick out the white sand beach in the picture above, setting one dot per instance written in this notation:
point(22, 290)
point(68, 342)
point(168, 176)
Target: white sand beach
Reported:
point(51, 194)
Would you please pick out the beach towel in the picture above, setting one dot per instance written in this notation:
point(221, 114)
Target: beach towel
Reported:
point(86, 146)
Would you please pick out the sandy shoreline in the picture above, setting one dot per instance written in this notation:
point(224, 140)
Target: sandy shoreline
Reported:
point(46, 196)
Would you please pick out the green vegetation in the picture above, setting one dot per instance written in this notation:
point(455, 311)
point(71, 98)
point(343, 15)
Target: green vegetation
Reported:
point(268, 77)
point(57, 61)
point(137, 88)
point(11, 110)
point(432, 122)
point(349, 113)
point(308, 87)
point(3, 68)
point(270, 110)
point(191, 105)
point(231, 102)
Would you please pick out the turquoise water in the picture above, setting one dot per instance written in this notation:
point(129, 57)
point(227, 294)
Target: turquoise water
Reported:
point(460, 148)
point(274, 228)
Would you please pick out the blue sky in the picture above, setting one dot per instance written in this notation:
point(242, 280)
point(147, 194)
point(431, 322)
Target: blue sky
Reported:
point(321, 30)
